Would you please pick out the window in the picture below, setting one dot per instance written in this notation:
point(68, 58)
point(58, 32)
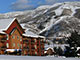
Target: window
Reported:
point(13, 44)
point(35, 52)
point(35, 46)
point(18, 45)
point(13, 37)
point(7, 37)
point(21, 45)
point(35, 40)
point(7, 44)
point(18, 37)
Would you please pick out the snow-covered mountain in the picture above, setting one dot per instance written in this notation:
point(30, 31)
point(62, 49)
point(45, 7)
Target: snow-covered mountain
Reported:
point(50, 20)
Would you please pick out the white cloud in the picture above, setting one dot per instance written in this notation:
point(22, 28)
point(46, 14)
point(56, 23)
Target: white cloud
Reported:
point(31, 4)
point(56, 1)
point(21, 5)
point(51, 1)
point(22, 1)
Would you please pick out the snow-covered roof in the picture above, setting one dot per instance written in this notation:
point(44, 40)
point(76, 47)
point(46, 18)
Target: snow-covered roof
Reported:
point(78, 48)
point(1, 31)
point(23, 26)
point(49, 48)
point(59, 37)
point(31, 34)
point(5, 23)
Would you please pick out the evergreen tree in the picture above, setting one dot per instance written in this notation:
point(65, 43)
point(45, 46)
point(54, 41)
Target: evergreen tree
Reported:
point(74, 40)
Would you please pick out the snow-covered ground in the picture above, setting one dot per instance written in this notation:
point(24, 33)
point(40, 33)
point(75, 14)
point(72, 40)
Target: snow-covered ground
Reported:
point(4, 57)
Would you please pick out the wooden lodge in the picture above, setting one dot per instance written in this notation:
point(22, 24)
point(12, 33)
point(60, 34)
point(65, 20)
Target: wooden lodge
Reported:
point(33, 46)
point(13, 37)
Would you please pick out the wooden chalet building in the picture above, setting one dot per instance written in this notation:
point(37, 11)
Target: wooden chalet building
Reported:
point(13, 36)
point(10, 35)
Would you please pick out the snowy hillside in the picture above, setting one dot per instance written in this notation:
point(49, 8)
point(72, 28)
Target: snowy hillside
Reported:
point(50, 21)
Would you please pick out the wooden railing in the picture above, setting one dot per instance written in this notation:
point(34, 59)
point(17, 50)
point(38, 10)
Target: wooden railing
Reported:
point(3, 39)
point(32, 41)
point(2, 47)
point(32, 48)
point(25, 41)
point(26, 47)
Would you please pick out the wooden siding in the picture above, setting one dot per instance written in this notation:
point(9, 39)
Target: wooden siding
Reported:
point(15, 39)
point(33, 46)
point(2, 43)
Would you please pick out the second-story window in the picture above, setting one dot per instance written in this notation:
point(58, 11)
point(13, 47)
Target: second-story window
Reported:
point(7, 37)
point(13, 37)
point(18, 45)
point(13, 44)
point(35, 46)
point(18, 37)
point(21, 45)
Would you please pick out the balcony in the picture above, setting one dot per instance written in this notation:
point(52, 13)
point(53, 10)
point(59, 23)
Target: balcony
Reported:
point(41, 43)
point(25, 41)
point(3, 48)
point(37, 44)
point(29, 54)
point(26, 48)
point(3, 39)
point(38, 50)
point(32, 41)
point(32, 48)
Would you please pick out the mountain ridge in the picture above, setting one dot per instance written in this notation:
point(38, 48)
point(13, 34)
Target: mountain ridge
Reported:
point(55, 20)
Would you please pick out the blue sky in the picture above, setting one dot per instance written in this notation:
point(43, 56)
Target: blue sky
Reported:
point(20, 5)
